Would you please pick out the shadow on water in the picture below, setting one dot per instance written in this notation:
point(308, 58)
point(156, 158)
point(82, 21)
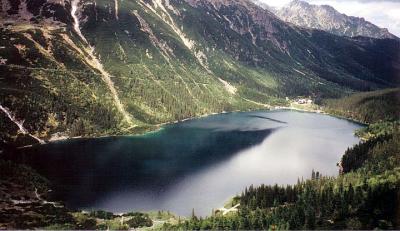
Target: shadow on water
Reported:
point(88, 170)
point(267, 118)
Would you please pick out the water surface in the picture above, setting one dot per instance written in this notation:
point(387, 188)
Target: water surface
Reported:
point(196, 164)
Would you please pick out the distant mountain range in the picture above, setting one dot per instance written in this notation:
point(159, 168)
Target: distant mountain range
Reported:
point(326, 18)
point(90, 68)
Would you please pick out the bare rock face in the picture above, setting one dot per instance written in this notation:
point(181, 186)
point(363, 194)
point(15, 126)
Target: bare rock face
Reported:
point(94, 67)
point(51, 12)
point(247, 19)
point(326, 18)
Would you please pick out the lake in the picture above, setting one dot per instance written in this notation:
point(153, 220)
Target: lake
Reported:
point(197, 164)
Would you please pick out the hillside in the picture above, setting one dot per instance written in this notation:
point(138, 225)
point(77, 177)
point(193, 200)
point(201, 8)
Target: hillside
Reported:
point(95, 67)
point(324, 17)
point(368, 107)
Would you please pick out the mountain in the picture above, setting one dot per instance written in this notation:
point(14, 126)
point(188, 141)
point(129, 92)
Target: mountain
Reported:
point(264, 5)
point(326, 18)
point(92, 67)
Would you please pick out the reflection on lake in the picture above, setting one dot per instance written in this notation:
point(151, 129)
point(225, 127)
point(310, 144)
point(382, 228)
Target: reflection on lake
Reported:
point(194, 164)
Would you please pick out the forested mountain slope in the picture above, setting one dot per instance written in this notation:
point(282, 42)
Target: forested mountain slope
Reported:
point(368, 107)
point(96, 67)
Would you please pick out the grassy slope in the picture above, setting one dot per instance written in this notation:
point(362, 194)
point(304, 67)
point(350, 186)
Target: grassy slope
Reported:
point(48, 83)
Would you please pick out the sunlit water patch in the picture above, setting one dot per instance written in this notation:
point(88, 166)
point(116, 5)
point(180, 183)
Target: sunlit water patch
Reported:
point(196, 164)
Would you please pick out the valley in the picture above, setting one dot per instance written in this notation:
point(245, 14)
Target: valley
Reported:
point(151, 114)
point(240, 139)
point(377, 136)
point(165, 170)
point(82, 69)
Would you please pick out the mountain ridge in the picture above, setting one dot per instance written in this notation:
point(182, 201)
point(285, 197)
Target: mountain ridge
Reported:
point(327, 18)
point(94, 68)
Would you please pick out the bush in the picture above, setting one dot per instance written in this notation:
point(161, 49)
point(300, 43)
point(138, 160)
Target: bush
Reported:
point(140, 220)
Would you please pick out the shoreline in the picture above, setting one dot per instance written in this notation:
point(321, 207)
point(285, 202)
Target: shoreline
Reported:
point(152, 128)
point(158, 127)
point(161, 126)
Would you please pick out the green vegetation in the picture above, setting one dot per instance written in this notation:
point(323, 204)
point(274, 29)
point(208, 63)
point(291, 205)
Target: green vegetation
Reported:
point(378, 129)
point(368, 107)
point(363, 198)
point(168, 65)
point(23, 205)
point(170, 68)
point(102, 220)
point(22, 199)
point(366, 195)
point(137, 220)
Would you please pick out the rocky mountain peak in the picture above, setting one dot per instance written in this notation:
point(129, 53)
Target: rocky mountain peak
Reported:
point(325, 17)
point(83, 67)
point(299, 3)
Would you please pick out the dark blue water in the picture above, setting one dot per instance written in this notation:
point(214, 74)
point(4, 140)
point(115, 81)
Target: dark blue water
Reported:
point(194, 164)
